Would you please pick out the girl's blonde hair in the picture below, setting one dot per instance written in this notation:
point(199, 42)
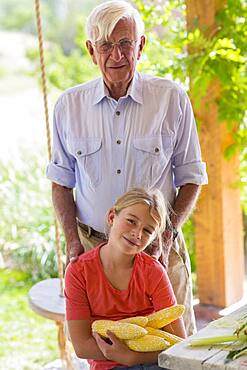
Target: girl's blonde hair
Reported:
point(104, 17)
point(156, 202)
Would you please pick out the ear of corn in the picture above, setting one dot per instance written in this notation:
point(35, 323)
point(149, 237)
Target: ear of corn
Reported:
point(133, 329)
point(138, 320)
point(164, 317)
point(171, 338)
point(148, 343)
point(128, 331)
point(122, 330)
point(101, 326)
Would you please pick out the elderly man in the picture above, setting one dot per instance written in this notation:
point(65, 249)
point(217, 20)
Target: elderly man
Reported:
point(122, 130)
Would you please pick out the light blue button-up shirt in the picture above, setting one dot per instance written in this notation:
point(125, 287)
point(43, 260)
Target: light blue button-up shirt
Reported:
point(103, 147)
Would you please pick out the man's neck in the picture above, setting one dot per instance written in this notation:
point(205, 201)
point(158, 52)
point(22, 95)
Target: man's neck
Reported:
point(117, 90)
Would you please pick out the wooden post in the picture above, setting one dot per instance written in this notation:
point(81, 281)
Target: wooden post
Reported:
point(218, 218)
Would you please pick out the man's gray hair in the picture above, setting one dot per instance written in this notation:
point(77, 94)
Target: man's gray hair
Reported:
point(104, 17)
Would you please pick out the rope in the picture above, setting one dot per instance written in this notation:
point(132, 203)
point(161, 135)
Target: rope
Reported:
point(64, 353)
point(43, 75)
point(48, 135)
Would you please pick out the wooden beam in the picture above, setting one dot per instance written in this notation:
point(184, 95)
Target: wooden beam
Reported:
point(218, 218)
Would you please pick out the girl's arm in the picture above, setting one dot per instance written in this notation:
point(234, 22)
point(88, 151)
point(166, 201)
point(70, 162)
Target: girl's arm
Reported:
point(119, 352)
point(177, 328)
point(82, 340)
point(95, 348)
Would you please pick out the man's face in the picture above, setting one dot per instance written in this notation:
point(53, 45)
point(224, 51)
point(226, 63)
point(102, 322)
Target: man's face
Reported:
point(118, 65)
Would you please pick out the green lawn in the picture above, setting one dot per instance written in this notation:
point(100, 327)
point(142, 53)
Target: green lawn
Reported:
point(27, 341)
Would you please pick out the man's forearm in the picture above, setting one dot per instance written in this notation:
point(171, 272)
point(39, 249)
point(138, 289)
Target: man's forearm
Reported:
point(184, 204)
point(65, 208)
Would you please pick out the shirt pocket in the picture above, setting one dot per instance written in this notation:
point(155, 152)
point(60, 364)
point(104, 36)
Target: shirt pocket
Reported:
point(167, 142)
point(89, 157)
point(152, 156)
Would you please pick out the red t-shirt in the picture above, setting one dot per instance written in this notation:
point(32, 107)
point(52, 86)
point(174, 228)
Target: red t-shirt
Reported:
point(90, 296)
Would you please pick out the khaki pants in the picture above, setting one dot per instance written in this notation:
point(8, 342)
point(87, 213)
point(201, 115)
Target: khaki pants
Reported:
point(179, 272)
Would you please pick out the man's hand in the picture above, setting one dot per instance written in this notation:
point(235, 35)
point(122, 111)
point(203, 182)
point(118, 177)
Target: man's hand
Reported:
point(154, 250)
point(161, 254)
point(65, 208)
point(117, 351)
point(75, 248)
point(167, 241)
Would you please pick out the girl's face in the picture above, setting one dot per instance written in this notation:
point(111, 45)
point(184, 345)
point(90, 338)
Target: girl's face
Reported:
point(132, 229)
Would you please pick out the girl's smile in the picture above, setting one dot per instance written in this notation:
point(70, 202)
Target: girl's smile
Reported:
point(132, 229)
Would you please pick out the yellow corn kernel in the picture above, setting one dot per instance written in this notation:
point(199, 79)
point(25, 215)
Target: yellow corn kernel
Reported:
point(138, 320)
point(148, 343)
point(122, 330)
point(171, 338)
point(164, 317)
point(101, 326)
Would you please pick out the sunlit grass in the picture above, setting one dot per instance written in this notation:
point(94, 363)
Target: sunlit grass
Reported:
point(27, 341)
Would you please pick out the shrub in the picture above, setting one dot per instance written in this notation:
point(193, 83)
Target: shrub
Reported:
point(27, 223)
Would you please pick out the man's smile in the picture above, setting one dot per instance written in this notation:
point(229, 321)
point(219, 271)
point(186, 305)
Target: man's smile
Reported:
point(117, 67)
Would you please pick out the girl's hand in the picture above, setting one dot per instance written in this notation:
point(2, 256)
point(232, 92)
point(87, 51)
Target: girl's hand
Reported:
point(117, 351)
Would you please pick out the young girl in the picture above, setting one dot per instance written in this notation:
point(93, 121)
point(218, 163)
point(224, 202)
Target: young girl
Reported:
point(117, 280)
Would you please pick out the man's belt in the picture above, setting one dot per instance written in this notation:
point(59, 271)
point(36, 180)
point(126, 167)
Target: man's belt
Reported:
point(90, 231)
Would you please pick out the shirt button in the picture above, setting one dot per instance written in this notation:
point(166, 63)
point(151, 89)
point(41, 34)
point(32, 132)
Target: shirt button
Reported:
point(118, 141)
point(79, 152)
point(157, 150)
point(118, 172)
point(117, 113)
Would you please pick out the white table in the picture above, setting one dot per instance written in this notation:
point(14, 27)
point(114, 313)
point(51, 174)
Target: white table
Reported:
point(44, 298)
point(183, 357)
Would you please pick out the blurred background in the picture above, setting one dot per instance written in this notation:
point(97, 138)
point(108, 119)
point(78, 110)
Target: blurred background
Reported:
point(27, 240)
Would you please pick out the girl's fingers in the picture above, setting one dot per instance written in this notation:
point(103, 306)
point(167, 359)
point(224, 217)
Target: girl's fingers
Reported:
point(112, 336)
point(98, 339)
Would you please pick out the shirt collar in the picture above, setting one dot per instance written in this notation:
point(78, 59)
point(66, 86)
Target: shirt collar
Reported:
point(101, 91)
point(134, 90)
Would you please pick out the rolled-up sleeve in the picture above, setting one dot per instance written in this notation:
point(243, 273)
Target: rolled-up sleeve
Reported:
point(187, 163)
point(61, 168)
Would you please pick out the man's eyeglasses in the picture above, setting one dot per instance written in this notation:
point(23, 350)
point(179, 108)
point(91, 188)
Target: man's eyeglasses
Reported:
point(105, 47)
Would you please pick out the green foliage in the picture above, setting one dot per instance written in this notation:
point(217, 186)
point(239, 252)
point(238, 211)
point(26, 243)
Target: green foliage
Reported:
point(189, 236)
point(27, 341)
point(62, 70)
point(165, 27)
point(16, 15)
point(58, 18)
point(220, 56)
point(3, 72)
point(26, 224)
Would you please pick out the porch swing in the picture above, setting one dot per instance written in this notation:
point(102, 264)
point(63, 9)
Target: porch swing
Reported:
point(46, 298)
